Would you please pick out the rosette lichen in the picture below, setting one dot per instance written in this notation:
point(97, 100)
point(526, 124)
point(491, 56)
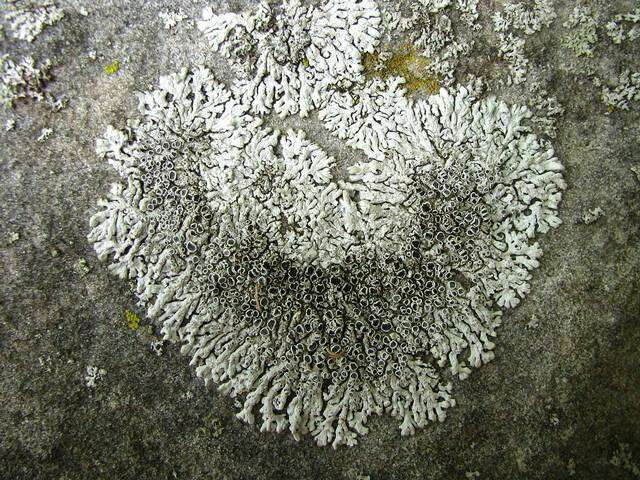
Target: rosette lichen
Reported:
point(319, 299)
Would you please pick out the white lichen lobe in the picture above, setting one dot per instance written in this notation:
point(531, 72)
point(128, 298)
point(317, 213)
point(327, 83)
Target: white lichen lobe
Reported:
point(23, 79)
point(312, 299)
point(513, 24)
point(28, 18)
point(583, 31)
point(172, 19)
point(624, 90)
point(93, 376)
point(291, 56)
point(45, 133)
point(592, 215)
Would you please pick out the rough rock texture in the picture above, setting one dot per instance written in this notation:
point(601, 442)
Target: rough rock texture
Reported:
point(560, 396)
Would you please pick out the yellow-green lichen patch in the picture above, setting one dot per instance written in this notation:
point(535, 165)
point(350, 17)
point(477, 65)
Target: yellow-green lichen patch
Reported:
point(81, 267)
point(406, 63)
point(133, 320)
point(112, 68)
point(212, 427)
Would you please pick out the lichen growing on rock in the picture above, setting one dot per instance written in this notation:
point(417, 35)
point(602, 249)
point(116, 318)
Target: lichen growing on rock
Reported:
point(291, 55)
point(583, 27)
point(321, 300)
point(23, 79)
point(513, 24)
point(112, 68)
point(27, 18)
point(437, 47)
point(132, 319)
point(405, 63)
point(624, 90)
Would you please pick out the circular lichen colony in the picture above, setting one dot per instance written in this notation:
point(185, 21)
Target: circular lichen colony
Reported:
point(280, 282)
point(319, 301)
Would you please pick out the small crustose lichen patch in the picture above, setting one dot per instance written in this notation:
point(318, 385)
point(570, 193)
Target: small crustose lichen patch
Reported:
point(81, 267)
point(112, 68)
point(133, 320)
point(405, 63)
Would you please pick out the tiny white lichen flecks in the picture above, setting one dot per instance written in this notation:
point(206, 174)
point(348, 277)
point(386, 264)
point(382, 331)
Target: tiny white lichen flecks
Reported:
point(319, 301)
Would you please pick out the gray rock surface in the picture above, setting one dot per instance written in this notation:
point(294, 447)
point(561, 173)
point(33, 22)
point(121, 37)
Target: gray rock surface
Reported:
point(563, 391)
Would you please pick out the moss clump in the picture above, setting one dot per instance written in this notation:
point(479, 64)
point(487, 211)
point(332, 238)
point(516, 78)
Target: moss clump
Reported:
point(406, 63)
point(112, 68)
point(133, 320)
